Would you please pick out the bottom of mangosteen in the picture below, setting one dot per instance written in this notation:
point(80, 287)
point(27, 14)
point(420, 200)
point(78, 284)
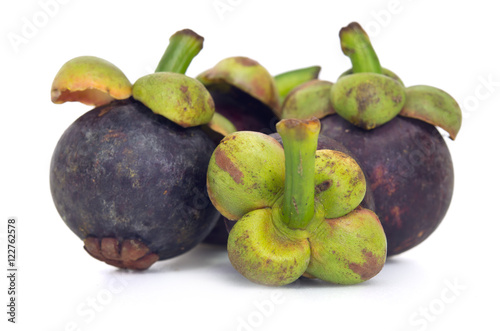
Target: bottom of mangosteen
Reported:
point(129, 254)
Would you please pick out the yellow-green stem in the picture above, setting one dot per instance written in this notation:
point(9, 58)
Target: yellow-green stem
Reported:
point(357, 46)
point(300, 140)
point(287, 81)
point(183, 46)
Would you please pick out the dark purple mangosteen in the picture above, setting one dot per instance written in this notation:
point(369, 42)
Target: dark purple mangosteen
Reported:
point(129, 176)
point(390, 130)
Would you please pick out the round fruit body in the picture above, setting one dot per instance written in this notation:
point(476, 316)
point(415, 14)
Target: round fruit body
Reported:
point(120, 171)
point(408, 168)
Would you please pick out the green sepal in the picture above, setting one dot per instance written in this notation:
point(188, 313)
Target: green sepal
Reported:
point(367, 100)
point(434, 106)
point(287, 81)
point(311, 99)
point(179, 98)
point(263, 254)
point(349, 249)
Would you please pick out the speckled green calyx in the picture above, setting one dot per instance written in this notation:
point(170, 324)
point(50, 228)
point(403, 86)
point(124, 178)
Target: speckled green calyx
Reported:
point(349, 188)
point(287, 81)
point(294, 206)
point(367, 100)
point(385, 72)
point(433, 106)
point(348, 249)
point(179, 98)
point(91, 81)
point(245, 74)
point(246, 172)
point(367, 96)
point(310, 99)
point(263, 253)
point(170, 93)
point(167, 92)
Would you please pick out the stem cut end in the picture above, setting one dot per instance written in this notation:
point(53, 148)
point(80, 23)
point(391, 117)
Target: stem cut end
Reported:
point(183, 46)
point(356, 45)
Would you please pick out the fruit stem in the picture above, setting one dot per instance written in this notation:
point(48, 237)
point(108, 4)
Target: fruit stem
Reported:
point(183, 46)
point(356, 45)
point(287, 81)
point(300, 140)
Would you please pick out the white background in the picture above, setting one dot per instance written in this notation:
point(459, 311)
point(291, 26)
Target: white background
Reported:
point(449, 281)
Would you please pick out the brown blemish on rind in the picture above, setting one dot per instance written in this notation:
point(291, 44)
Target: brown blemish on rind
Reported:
point(131, 254)
point(246, 61)
point(321, 187)
point(370, 268)
point(366, 96)
point(396, 212)
point(380, 179)
point(223, 161)
point(114, 135)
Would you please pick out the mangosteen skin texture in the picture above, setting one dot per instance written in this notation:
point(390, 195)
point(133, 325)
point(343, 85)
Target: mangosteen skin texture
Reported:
point(408, 168)
point(123, 172)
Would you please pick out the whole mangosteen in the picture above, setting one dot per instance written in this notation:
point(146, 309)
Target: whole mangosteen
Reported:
point(390, 129)
point(129, 176)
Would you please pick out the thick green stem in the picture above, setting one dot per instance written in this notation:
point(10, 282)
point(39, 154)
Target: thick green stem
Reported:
point(184, 45)
point(357, 46)
point(287, 81)
point(300, 140)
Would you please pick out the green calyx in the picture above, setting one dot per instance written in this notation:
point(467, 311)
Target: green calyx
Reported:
point(167, 92)
point(91, 81)
point(367, 97)
point(367, 100)
point(287, 81)
point(288, 200)
point(246, 75)
point(310, 99)
point(179, 98)
point(170, 93)
point(433, 106)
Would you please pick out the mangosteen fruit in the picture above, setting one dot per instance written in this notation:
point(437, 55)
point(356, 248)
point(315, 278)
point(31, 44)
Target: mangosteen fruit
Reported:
point(129, 176)
point(297, 208)
point(391, 131)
